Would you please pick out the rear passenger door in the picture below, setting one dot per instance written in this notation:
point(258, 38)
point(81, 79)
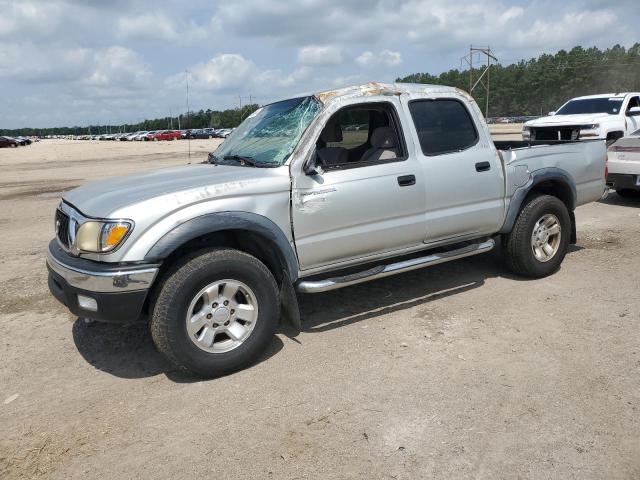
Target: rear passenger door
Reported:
point(462, 172)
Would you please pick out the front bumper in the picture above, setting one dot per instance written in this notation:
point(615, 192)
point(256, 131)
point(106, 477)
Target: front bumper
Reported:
point(101, 291)
point(623, 181)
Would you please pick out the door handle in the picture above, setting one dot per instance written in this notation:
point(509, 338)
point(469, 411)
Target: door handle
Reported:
point(483, 167)
point(407, 180)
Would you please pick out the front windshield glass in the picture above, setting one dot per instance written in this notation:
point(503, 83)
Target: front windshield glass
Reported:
point(592, 105)
point(268, 136)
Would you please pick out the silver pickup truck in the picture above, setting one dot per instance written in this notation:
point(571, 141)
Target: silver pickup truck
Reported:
point(312, 193)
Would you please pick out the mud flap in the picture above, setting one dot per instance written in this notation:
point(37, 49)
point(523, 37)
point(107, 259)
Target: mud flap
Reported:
point(289, 303)
point(574, 235)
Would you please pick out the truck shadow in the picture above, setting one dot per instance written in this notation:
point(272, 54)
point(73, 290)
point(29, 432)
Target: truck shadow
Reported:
point(326, 311)
point(614, 199)
point(126, 350)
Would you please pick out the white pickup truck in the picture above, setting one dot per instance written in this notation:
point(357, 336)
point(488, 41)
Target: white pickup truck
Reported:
point(314, 193)
point(608, 117)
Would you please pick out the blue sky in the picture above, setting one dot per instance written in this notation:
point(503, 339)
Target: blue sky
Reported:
point(85, 62)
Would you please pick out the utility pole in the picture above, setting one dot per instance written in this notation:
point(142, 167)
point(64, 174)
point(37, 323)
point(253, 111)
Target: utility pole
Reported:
point(484, 75)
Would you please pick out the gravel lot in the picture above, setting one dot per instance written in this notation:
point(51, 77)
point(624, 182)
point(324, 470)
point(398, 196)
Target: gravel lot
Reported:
point(457, 371)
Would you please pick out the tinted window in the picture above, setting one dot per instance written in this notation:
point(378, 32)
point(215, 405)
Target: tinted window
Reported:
point(592, 105)
point(443, 126)
point(634, 102)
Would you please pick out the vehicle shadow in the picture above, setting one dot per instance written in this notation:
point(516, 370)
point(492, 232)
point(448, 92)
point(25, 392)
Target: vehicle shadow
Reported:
point(614, 199)
point(126, 350)
point(326, 311)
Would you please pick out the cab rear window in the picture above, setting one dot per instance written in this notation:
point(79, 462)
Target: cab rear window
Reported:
point(443, 126)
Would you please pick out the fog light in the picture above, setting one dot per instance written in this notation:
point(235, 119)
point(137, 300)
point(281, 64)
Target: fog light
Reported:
point(87, 303)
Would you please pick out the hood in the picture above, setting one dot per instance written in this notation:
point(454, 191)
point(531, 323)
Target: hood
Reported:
point(583, 118)
point(187, 184)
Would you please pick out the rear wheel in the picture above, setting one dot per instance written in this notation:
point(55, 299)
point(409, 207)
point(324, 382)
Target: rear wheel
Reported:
point(216, 313)
point(538, 242)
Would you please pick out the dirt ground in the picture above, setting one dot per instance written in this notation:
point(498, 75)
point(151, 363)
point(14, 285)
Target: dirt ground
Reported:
point(457, 371)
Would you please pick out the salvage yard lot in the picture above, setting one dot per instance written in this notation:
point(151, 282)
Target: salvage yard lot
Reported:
point(456, 371)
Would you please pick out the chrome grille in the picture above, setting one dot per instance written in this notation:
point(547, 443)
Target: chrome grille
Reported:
point(62, 227)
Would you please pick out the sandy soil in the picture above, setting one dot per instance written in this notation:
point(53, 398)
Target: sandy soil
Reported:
point(458, 371)
point(506, 131)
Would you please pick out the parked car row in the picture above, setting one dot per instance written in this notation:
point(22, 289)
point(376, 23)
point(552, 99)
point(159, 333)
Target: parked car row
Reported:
point(156, 135)
point(7, 142)
point(208, 133)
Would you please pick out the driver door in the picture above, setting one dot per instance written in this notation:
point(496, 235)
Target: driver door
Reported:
point(359, 208)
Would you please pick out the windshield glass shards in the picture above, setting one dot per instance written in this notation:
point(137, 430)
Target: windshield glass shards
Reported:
point(268, 136)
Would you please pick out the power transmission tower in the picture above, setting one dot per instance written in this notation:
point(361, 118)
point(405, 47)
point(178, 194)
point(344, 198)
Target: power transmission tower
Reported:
point(480, 52)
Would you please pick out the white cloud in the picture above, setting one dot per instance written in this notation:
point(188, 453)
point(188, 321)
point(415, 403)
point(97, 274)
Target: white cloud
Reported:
point(385, 57)
point(222, 71)
point(157, 26)
point(320, 55)
point(75, 61)
point(117, 66)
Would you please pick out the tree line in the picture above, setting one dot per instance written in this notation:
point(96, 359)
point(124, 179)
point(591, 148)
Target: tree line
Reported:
point(540, 85)
point(201, 119)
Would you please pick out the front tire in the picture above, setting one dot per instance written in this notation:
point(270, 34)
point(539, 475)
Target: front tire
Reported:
point(215, 313)
point(540, 237)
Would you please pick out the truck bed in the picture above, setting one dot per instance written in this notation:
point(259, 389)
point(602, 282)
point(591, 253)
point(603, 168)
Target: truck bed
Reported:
point(582, 161)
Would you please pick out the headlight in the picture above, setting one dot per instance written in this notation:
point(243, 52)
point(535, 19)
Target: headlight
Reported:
point(593, 126)
point(100, 237)
point(526, 128)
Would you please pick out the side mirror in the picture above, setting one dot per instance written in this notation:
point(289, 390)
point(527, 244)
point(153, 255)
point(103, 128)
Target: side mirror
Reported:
point(551, 114)
point(633, 111)
point(310, 167)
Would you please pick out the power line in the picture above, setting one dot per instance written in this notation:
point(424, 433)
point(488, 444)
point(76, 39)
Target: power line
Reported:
point(485, 73)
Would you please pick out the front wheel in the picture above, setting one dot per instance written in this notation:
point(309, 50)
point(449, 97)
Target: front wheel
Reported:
point(540, 237)
point(216, 313)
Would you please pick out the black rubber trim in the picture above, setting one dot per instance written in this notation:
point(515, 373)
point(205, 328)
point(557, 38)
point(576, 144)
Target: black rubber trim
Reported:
point(219, 222)
point(123, 307)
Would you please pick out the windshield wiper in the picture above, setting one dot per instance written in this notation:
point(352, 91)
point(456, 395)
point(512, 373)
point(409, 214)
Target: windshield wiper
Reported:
point(246, 160)
point(212, 158)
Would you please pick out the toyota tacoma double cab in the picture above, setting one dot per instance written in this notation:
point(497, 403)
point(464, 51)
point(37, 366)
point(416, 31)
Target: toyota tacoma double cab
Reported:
point(312, 193)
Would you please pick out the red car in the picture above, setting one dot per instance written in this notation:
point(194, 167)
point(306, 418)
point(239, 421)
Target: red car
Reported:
point(164, 135)
point(8, 142)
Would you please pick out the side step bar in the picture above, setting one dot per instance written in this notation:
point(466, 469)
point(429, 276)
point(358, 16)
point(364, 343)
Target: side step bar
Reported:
point(381, 271)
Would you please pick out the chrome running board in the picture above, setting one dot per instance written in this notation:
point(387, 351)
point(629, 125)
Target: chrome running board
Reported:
point(381, 271)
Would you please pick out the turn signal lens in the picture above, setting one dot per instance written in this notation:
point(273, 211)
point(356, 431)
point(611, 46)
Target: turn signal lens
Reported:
point(112, 235)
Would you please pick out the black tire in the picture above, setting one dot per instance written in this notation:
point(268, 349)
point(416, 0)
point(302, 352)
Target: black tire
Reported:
point(517, 247)
point(174, 294)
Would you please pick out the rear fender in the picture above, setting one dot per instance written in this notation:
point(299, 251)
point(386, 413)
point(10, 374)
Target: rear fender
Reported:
point(560, 179)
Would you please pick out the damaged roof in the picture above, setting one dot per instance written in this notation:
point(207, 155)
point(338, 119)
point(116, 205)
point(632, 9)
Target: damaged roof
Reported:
point(375, 88)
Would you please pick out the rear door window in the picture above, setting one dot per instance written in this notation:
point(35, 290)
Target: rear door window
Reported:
point(443, 126)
